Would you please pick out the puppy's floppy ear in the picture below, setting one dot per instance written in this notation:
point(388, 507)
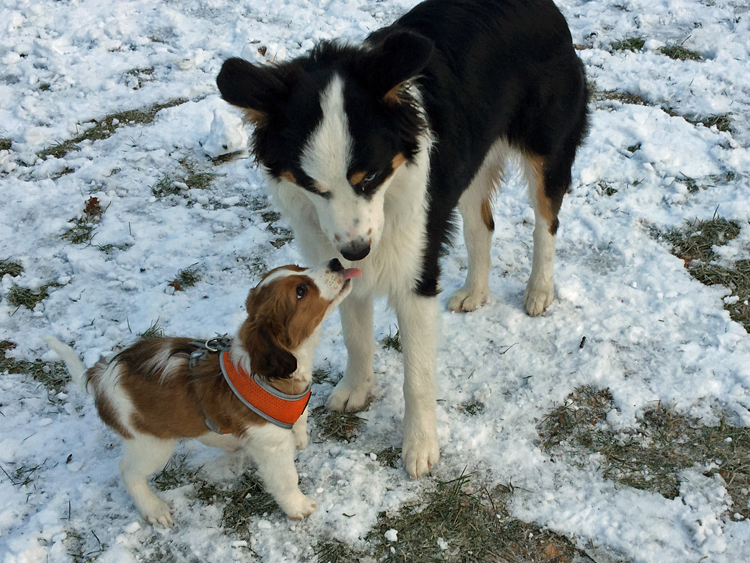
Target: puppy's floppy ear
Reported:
point(392, 60)
point(268, 359)
point(257, 89)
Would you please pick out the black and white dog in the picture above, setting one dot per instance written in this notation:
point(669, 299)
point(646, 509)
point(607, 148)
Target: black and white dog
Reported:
point(369, 150)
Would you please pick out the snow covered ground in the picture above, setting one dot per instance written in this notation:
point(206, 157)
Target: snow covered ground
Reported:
point(652, 332)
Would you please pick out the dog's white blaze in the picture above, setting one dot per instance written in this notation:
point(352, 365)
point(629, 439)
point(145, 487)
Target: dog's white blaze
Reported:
point(328, 151)
point(345, 217)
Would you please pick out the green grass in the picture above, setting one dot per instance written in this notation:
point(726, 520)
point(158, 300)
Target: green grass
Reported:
point(18, 296)
point(462, 521)
point(186, 278)
point(84, 227)
point(389, 457)
point(319, 375)
point(336, 425)
point(335, 551)
point(651, 455)
point(107, 126)
point(680, 53)
point(109, 248)
point(176, 473)
point(141, 75)
point(696, 239)
point(472, 408)
point(721, 121)
point(82, 231)
point(153, 331)
point(633, 44)
point(619, 96)
point(53, 376)
point(8, 266)
point(244, 499)
point(186, 176)
point(392, 341)
point(694, 243)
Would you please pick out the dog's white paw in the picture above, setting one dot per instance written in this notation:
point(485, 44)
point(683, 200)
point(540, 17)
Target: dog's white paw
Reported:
point(344, 398)
point(538, 297)
point(157, 512)
point(298, 506)
point(420, 455)
point(465, 300)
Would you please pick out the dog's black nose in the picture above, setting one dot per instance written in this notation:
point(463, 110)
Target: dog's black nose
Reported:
point(355, 251)
point(335, 266)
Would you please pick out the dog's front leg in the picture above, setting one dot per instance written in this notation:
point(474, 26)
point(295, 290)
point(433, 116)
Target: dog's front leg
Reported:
point(417, 321)
point(352, 392)
point(272, 449)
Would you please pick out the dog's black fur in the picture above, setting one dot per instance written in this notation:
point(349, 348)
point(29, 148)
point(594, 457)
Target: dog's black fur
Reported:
point(485, 69)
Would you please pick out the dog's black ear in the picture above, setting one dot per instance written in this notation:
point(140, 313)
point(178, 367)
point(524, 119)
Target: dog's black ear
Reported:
point(269, 360)
point(256, 89)
point(392, 60)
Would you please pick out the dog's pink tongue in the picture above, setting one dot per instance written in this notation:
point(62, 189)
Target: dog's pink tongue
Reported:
point(352, 273)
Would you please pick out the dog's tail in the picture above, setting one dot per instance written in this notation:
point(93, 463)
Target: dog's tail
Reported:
point(74, 364)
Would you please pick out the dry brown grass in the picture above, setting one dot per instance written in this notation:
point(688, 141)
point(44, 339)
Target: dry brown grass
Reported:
point(651, 455)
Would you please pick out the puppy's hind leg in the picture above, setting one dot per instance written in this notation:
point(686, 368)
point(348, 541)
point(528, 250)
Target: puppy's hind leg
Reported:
point(272, 449)
point(144, 455)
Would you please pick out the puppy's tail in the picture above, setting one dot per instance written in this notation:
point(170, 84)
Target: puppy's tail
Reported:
point(74, 364)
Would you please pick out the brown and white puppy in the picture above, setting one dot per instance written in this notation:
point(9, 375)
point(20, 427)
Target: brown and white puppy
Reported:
point(149, 394)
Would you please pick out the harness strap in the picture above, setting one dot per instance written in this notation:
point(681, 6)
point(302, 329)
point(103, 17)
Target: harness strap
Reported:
point(264, 400)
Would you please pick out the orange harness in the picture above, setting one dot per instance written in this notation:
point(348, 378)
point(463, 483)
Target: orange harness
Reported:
point(279, 408)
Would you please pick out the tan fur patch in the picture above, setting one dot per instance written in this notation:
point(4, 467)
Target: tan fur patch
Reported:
point(487, 217)
point(357, 177)
point(255, 116)
point(393, 96)
point(397, 161)
point(543, 202)
point(289, 177)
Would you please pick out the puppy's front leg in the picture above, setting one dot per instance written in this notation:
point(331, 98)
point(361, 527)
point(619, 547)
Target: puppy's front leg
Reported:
point(352, 392)
point(300, 431)
point(272, 449)
point(417, 321)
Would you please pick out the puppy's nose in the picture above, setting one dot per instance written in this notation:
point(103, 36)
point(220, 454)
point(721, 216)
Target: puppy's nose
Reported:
point(335, 266)
point(355, 250)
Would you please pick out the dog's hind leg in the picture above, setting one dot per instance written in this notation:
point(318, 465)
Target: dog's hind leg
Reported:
point(144, 455)
point(475, 207)
point(547, 185)
point(352, 392)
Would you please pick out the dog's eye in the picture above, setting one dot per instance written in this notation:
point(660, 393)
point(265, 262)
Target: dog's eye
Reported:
point(364, 184)
point(301, 291)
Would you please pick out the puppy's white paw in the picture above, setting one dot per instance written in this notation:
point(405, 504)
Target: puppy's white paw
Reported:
point(300, 440)
point(344, 398)
point(299, 506)
point(157, 512)
point(465, 300)
point(420, 455)
point(538, 297)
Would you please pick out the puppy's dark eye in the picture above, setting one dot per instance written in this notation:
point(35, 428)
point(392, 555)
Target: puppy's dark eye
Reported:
point(301, 291)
